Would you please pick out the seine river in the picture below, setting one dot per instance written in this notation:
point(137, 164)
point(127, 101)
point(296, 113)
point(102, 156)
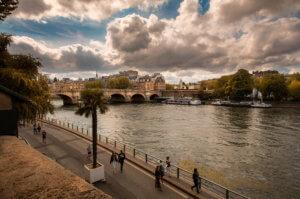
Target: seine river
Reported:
point(253, 151)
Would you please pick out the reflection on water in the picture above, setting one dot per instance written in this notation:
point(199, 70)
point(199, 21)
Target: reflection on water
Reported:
point(256, 150)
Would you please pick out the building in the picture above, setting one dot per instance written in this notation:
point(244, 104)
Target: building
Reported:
point(264, 73)
point(8, 112)
point(147, 82)
point(181, 86)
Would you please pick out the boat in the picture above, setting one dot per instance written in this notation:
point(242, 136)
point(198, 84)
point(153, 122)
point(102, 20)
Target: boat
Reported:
point(195, 102)
point(217, 103)
point(183, 101)
point(261, 105)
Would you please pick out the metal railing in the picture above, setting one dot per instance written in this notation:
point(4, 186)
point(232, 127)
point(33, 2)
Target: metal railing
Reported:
point(175, 171)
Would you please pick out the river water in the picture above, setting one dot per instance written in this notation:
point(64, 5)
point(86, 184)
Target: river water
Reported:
point(253, 151)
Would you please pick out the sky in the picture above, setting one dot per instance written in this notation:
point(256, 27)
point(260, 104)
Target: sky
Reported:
point(190, 40)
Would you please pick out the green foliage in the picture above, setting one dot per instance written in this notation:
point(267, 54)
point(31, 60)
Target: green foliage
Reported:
point(6, 8)
point(119, 83)
point(221, 85)
point(240, 85)
point(274, 87)
point(93, 84)
point(20, 74)
point(294, 89)
point(92, 100)
point(169, 87)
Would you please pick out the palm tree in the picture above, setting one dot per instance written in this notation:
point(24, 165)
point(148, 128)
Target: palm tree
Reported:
point(92, 99)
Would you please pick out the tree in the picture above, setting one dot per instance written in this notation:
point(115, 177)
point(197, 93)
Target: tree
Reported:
point(20, 73)
point(93, 84)
point(6, 8)
point(119, 83)
point(169, 87)
point(91, 101)
point(294, 89)
point(221, 85)
point(274, 87)
point(240, 85)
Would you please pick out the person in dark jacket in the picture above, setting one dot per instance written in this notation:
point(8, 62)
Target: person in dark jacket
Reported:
point(197, 180)
point(39, 128)
point(44, 134)
point(157, 174)
point(122, 158)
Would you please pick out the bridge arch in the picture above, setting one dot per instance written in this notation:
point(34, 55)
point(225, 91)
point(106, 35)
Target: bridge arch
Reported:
point(67, 100)
point(117, 98)
point(138, 98)
point(153, 97)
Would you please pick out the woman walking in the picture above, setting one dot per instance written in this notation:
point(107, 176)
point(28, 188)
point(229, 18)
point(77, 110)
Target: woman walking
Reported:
point(114, 161)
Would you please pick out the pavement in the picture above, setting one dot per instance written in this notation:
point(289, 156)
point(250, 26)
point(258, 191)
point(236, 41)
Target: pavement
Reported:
point(69, 151)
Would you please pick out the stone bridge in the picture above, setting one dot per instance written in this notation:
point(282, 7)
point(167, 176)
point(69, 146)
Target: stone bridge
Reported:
point(72, 96)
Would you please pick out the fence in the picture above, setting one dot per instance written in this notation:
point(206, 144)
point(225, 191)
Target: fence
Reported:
point(175, 171)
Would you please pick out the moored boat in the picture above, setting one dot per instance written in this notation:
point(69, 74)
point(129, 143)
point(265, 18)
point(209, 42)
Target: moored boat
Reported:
point(261, 105)
point(195, 102)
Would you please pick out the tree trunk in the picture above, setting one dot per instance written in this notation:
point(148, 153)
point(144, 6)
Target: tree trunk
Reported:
point(94, 129)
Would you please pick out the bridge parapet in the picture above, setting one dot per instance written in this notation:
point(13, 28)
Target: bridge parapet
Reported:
point(71, 96)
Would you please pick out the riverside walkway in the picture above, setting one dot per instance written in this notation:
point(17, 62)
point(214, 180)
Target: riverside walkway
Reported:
point(69, 150)
point(67, 143)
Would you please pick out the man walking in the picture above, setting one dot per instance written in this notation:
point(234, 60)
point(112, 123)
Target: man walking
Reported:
point(39, 129)
point(121, 160)
point(157, 175)
point(197, 180)
point(44, 136)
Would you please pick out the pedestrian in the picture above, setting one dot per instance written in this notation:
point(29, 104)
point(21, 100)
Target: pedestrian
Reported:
point(39, 128)
point(44, 134)
point(168, 166)
point(157, 174)
point(89, 152)
point(121, 158)
point(197, 180)
point(34, 128)
point(114, 161)
point(162, 171)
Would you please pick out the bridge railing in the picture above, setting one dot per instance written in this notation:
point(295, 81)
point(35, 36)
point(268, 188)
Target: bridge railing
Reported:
point(175, 171)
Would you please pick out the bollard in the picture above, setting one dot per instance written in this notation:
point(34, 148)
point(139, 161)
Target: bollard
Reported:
point(77, 128)
point(72, 126)
point(146, 158)
point(106, 140)
point(177, 172)
point(124, 148)
point(227, 194)
point(115, 143)
point(134, 152)
point(87, 132)
point(82, 130)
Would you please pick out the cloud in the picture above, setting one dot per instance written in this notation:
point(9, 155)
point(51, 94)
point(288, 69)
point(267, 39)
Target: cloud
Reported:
point(230, 35)
point(129, 34)
point(68, 58)
point(235, 10)
point(82, 9)
point(204, 42)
